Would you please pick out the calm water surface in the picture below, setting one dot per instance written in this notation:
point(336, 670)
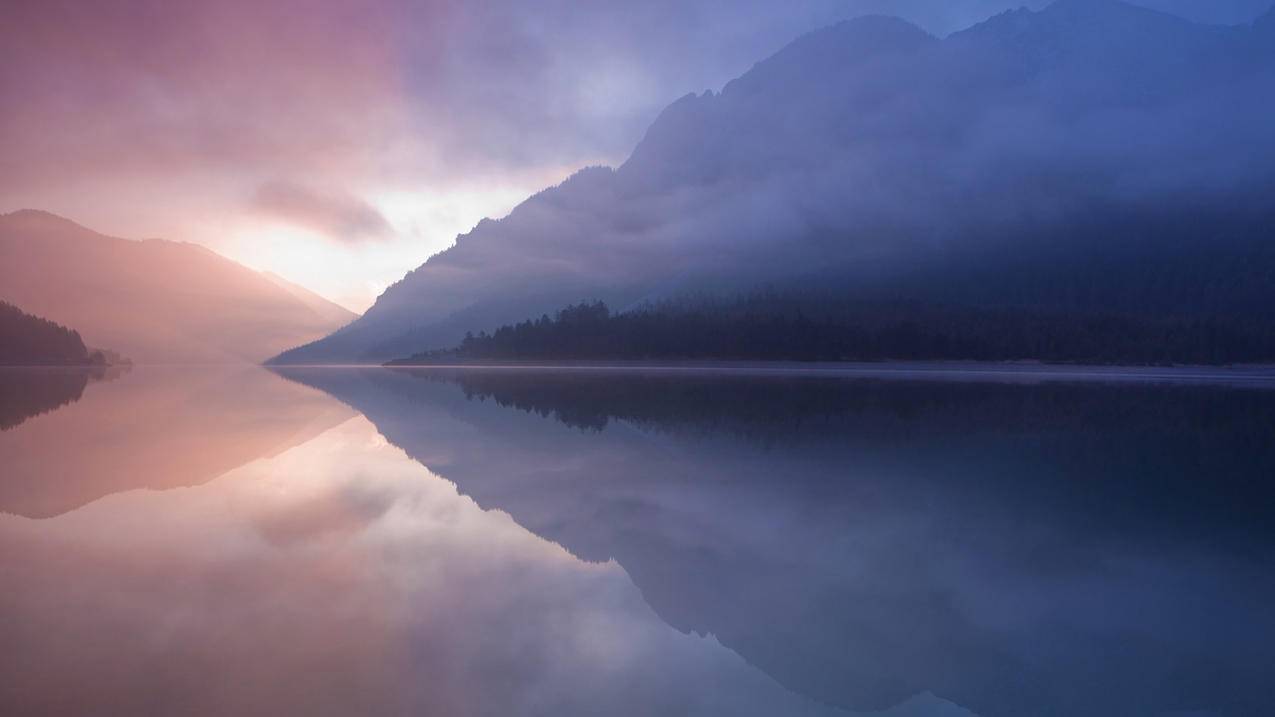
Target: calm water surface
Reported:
point(630, 542)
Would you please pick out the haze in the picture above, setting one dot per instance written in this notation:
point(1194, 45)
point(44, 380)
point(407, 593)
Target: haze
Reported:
point(339, 144)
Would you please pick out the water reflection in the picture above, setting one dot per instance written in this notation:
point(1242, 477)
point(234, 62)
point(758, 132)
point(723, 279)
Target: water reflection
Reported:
point(149, 428)
point(579, 543)
point(1070, 549)
point(29, 392)
point(341, 578)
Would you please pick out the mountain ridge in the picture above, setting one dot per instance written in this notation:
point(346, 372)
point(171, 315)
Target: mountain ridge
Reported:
point(153, 300)
point(1031, 131)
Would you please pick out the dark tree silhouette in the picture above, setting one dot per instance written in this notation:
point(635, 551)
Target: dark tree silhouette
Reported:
point(794, 326)
point(33, 341)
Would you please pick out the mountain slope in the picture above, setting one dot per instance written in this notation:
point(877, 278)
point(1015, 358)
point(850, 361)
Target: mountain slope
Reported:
point(326, 310)
point(1089, 156)
point(154, 301)
point(27, 340)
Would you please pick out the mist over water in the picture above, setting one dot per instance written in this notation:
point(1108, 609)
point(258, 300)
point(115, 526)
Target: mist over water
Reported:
point(641, 542)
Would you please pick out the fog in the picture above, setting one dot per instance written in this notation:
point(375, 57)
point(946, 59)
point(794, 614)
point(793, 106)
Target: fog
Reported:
point(872, 148)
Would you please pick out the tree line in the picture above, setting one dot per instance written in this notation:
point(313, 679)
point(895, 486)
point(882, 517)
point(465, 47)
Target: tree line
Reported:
point(791, 328)
point(31, 340)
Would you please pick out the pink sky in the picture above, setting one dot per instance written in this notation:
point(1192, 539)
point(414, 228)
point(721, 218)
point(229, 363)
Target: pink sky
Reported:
point(340, 144)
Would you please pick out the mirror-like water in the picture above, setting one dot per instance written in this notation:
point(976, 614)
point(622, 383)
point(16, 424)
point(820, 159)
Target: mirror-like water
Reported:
point(494, 542)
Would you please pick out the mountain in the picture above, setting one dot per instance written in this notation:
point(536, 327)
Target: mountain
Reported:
point(154, 301)
point(328, 311)
point(814, 327)
point(1090, 156)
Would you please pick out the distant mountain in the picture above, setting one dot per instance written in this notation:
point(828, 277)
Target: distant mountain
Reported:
point(326, 310)
point(1090, 156)
point(154, 301)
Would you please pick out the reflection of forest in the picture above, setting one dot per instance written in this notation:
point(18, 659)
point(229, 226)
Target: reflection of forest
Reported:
point(1212, 443)
point(865, 540)
point(28, 392)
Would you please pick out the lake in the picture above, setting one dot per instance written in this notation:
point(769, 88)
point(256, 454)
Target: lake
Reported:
point(876, 540)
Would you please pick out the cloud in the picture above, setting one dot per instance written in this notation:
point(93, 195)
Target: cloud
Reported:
point(150, 118)
point(340, 216)
point(393, 91)
point(891, 170)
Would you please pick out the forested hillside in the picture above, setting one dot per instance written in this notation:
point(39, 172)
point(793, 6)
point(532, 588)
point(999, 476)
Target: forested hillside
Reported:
point(808, 327)
point(27, 340)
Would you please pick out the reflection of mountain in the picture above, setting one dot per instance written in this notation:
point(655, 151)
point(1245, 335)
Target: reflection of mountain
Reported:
point(151, 428)
point(1053, 549)
point(341, 578)
point(1090, 157)
point(153, 301)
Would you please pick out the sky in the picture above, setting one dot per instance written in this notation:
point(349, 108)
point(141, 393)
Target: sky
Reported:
point(340, 144)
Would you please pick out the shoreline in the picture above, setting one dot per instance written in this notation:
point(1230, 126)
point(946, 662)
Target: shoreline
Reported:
point(1253, 374)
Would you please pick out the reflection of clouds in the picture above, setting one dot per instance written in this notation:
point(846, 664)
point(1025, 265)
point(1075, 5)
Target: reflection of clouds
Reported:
point(342, 514)
point(337, 578)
